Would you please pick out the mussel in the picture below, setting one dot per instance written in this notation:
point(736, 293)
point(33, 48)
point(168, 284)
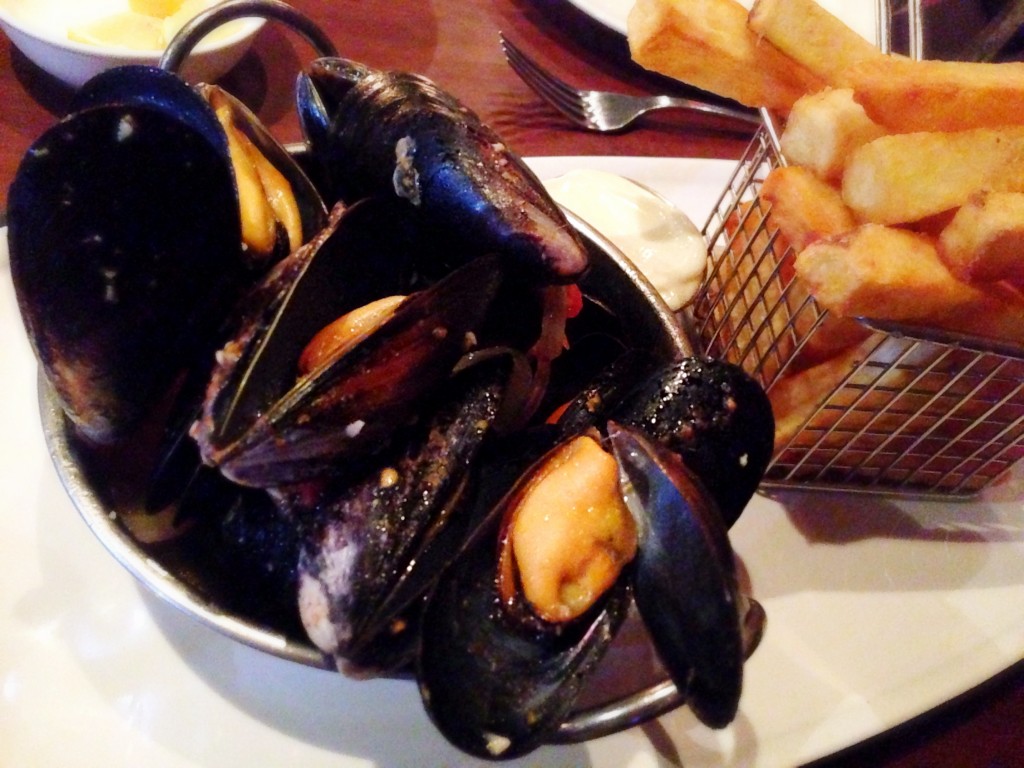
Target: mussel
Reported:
point(372, 449)
point(488, 237)
point(126, 244)
point(279, 208)
point(515, 626)
point(265, 426)
point(374, 132)
point(713, 416)
point(376, 547)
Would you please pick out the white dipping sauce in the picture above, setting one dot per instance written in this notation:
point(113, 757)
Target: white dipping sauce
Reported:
point(655, 235)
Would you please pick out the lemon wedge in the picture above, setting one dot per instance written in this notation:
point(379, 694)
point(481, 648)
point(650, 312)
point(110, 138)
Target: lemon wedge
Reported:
point(136, 31)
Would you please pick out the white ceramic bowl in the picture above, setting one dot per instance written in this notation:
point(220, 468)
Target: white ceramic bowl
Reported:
point(38, 28)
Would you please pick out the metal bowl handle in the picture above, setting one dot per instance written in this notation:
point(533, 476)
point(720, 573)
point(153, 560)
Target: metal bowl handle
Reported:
point(659, 698)
point(199, 27)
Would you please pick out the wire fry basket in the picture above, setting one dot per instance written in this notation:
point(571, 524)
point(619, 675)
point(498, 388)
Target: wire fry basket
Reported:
point(907, 410)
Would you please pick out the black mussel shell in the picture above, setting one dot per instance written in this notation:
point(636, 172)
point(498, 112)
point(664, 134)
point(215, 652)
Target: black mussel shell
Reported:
point(151, 86)
point(134, 85)
point(262, 427)
point(684, 578)
point(604, 389)
point(125, 244)
point(716, 417)
point(399, 134)
point(254, 545)
point(362, 255)
point(373, 550)
point(495, 683)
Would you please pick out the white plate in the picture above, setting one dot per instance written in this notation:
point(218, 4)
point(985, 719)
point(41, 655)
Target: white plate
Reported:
point(861, 15)
point(878, 611)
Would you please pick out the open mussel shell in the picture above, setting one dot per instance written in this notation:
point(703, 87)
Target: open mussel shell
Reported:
point(126, 244)
point(498, 679)
point(263, 427)
point(117, 292)
point(180, 572)
point(131, 86)
point(337, 271)
point(495, 684)
point(684, 575)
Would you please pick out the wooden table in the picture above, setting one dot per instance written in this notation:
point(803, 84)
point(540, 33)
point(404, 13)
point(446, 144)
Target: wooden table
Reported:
point(455, 42)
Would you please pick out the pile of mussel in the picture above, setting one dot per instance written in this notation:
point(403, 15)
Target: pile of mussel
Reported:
point(382, 398)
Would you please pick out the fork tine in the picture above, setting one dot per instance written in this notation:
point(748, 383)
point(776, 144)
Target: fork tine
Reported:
point(604, 111)
point(563, 97)
point(568, 104)
point(536, 71)
point(537, 78)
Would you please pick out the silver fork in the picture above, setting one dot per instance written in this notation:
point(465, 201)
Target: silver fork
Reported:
point(604, 111)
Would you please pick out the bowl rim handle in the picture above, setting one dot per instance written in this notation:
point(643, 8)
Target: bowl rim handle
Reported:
point(200, 26)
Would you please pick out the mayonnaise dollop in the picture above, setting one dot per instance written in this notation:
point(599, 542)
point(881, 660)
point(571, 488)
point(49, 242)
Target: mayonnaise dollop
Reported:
point(655, 235)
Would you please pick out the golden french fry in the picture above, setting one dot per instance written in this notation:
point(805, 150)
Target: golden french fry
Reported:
point(906, 177)
point(748, 319)
point(995, 313)
point(907, 95)
point(881, 273)
point(707, 43)
point(797, 397)
point(823, 128)
point(765, 318)
point(985, 240)
point(884, 273)
point(804, 207)
point(809, 34)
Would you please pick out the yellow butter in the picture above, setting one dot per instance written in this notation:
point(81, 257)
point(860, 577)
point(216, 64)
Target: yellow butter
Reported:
point(132, 30)
point(159, 8)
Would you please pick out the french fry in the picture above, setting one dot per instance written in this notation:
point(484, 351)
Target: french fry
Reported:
point(767, 317)
point(707, 43)
point(823, 128)
point(907, 95)
point(985, 240)
point(804, 207)
point(906, 177)
point(995, 313)
point(750, 321)
point(892, 274)
point(881, 273)
point(809, 34)
point(796, 398)
point(891, 170)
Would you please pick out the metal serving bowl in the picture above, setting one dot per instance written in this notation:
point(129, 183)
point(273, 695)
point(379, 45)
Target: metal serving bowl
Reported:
point(179, 574)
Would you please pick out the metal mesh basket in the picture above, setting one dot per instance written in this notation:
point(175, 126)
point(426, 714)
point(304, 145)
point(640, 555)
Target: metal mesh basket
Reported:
point(911, 410)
